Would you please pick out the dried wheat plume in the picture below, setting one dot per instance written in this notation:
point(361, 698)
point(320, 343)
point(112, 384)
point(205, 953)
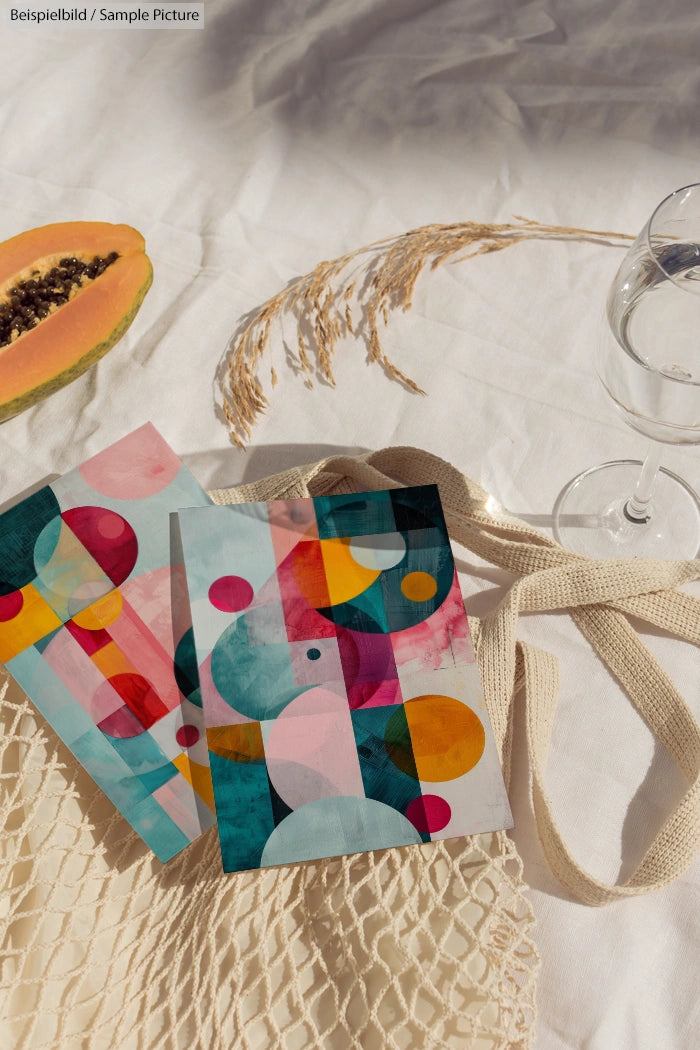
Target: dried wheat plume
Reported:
point(355, 294)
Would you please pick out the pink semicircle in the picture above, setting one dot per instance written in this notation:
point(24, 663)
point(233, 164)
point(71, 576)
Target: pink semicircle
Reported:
point(138, 466)
point(311, 751)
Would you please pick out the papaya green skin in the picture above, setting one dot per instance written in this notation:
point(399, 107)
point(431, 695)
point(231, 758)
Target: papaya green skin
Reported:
point(81, 365)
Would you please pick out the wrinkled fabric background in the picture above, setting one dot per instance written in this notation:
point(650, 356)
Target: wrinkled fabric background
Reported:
point(287, 132)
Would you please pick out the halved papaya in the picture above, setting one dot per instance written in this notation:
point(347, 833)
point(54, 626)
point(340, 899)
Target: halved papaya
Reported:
point(68, 292)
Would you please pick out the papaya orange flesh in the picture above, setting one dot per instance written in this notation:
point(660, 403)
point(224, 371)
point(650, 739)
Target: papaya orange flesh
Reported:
point(68, 292)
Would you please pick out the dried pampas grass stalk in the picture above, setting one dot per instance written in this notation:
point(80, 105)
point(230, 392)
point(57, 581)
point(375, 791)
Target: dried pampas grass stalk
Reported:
point(353, 295)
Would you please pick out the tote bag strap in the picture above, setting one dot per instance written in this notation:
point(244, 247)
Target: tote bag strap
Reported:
point(599, 596)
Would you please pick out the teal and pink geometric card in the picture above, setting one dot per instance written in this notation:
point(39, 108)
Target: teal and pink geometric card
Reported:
point(342, 703)
point(95, 627)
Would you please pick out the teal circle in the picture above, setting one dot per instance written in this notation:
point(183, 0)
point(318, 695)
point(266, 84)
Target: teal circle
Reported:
point(255, 680)
point(46, 543)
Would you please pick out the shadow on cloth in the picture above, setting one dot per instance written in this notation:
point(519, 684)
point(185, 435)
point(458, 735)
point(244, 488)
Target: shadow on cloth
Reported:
point(226, 468)
point(371, 69)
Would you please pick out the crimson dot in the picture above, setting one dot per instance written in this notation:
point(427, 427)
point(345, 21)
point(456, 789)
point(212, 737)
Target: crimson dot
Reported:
point(429, 813)
point(186, 736)
point(230, 593)
point(10, 604)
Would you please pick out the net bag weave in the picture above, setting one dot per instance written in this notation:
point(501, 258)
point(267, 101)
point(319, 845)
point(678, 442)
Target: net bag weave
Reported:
point(420, 947)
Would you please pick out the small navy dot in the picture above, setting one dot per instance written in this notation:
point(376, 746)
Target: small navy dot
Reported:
point(313, 654)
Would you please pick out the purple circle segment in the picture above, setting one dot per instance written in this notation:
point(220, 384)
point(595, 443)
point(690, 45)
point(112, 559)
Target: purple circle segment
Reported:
point(187, 735)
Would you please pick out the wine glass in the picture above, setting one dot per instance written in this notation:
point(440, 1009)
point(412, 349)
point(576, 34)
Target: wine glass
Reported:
point(649, 364)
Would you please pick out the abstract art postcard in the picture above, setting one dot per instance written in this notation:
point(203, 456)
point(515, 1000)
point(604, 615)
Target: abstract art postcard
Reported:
point(95, 627)
point(343, 707)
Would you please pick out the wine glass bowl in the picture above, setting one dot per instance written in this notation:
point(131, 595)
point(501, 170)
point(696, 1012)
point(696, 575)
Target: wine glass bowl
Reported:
point(648, 362)
point(653, 317)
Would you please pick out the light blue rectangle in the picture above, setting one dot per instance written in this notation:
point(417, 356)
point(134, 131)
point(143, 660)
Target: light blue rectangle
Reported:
point(226, 541)
point(218, 541)
point(52, 697)
point(156, 828)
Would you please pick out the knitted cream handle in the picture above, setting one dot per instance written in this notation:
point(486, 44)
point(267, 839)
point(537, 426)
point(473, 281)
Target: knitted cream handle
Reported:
point(598, 595)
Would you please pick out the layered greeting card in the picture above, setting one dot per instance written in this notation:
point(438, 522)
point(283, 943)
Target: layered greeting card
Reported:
point(305, 678)
point(95, 627)
point(342, 704)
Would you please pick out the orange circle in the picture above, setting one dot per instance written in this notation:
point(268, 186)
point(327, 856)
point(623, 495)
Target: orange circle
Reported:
point(419, 586)
point(100, 613)
point(447, 737)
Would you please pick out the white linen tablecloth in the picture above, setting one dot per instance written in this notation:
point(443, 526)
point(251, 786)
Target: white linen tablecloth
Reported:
point(282, 133)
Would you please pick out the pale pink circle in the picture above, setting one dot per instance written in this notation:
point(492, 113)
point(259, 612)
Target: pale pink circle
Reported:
point(429, 813)
point(111, 526)
point(138, 466)
point(230, 594)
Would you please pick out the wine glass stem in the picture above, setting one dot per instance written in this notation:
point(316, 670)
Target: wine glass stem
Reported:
point(638, 506)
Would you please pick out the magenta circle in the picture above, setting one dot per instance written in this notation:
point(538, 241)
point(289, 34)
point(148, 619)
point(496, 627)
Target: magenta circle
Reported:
point(108, 538)
point(187, 735)
point(429, 813)
point(230, 593)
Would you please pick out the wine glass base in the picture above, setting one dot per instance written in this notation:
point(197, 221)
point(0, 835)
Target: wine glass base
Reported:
point(590, 518)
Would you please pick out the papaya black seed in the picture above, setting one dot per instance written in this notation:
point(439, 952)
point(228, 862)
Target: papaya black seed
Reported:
point(30, 301)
